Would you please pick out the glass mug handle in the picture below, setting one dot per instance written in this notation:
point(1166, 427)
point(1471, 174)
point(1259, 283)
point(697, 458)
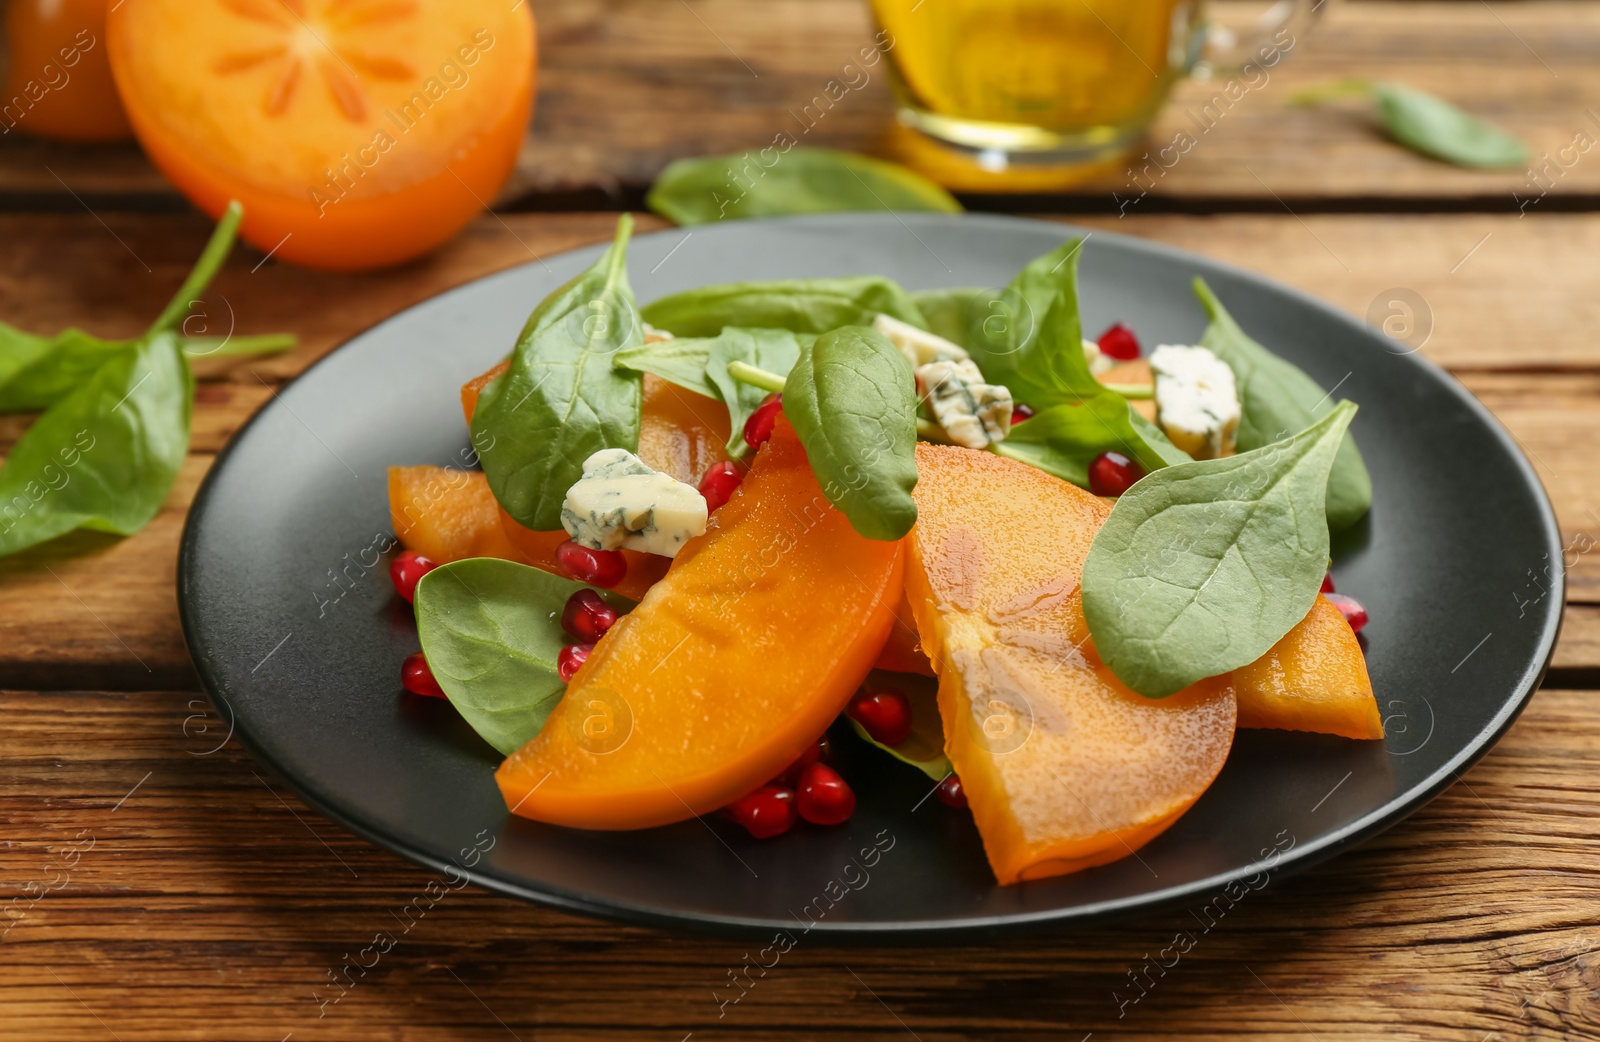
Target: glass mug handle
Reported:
point(1226, 49)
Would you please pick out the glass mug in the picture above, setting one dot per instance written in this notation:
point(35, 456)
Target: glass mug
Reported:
point(1038, 94)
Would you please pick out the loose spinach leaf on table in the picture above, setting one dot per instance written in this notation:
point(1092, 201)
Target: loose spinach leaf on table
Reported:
point(951, 313)
point(1203, 566)
point(681, 360)
point(104, 456)
point(1031, 340)
point(561, 400)
point(1064, 439)
point(491, 631)
point(1276, 399)
point(853, 402)
point(924, 746)
point(801, 180)
point(1426, 124)
point(774, 350)
point(801, 305)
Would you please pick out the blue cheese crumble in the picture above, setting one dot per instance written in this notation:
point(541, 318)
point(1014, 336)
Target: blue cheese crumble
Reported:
point(1197, 404)
point(969, 411)
point(918, 345)
point(621, 503)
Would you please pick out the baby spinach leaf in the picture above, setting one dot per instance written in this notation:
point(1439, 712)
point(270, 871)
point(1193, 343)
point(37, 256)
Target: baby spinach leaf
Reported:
point(104, 456)
point(1064, 439)
point(681, 360)
point(1031, 339)
point(18, 350)
point(491, 631)
point(951, 313)
point(561, 400)
point(68, 360)
point(924, 746)
point(774, 350)
point(1203, 566)
point(1434, 127)
point(803, 305)
point(1276, 399)
point(801, 180)
point(853, 402)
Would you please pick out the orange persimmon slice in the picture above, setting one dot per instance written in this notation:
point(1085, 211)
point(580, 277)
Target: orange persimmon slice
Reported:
point(446, 514)
point(357, 133)
point(1064, 767)
point(726, 671)
point(680, 433)
point(1314, 679)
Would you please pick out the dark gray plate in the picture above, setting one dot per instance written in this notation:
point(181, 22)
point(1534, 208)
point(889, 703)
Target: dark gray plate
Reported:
point(298, 635)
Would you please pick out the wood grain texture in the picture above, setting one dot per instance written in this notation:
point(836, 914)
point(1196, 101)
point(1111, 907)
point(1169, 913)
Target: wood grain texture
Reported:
point(626, 86)
point(213, 905)
point(97, 612)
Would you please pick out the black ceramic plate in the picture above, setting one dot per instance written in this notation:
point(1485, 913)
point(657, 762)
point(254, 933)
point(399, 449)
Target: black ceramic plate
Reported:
point(298, 636)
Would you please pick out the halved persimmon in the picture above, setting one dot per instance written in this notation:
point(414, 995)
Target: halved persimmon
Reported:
point(357, 133)
point(728, 669)
point(1063, 766)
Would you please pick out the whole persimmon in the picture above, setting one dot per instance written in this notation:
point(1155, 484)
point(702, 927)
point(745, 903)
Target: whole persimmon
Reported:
point(58, 82)
point(357, 133)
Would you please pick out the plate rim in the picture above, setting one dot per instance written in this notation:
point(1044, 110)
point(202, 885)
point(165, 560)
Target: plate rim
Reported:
point(970, 929)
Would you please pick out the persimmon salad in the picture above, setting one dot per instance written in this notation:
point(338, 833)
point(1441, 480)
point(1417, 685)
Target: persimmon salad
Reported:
point(1051, 573)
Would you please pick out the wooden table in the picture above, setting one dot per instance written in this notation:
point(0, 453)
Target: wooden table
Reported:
point(198, 899)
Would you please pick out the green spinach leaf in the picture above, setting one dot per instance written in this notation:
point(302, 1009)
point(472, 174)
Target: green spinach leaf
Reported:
point(1434, 127)
point(68, 360)
point(924, 746)
point(801, 180)
point(18, 350)
point(1276, 399)
point(1204, 566)
point(681, 360)
point(1064, 439)
point(1032, 338)
point(491, 631)
point(853, 402)
point(104, 456)
point(561, 400)
point(774, 350)
point(951, 313)
point(802, 305)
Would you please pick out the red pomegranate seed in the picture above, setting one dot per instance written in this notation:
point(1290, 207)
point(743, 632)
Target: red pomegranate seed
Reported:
point(417, 678)
point(587, 616)
point(406, 569)
point(817, 752)
point(1119, 342)
point(886, 715)
point(1112, 474)
point(1350, 608)
point(572, 656)
point(1327, 582)
point(767, 812)
point(721, 481)
point(1020, 413)
point(604, 568)
point(951, 792)
point(758, 428)
point(822, 797)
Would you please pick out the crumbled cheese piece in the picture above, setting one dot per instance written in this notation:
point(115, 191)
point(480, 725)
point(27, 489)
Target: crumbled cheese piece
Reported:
point(971, 412)
point(652, 335)
point(1197, 404)
point(918, 345)
point(1098, 362)
point(621, 503)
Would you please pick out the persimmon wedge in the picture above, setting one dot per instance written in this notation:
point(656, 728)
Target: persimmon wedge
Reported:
point(1064, 767)
point(1314, 679)
point(357, 133)
point(680, 433)
point(446, 514)
point(726, 671)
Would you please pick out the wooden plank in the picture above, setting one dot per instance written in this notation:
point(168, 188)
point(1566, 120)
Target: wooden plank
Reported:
point(628, 85)
point(211, 904)
point(95, 611)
